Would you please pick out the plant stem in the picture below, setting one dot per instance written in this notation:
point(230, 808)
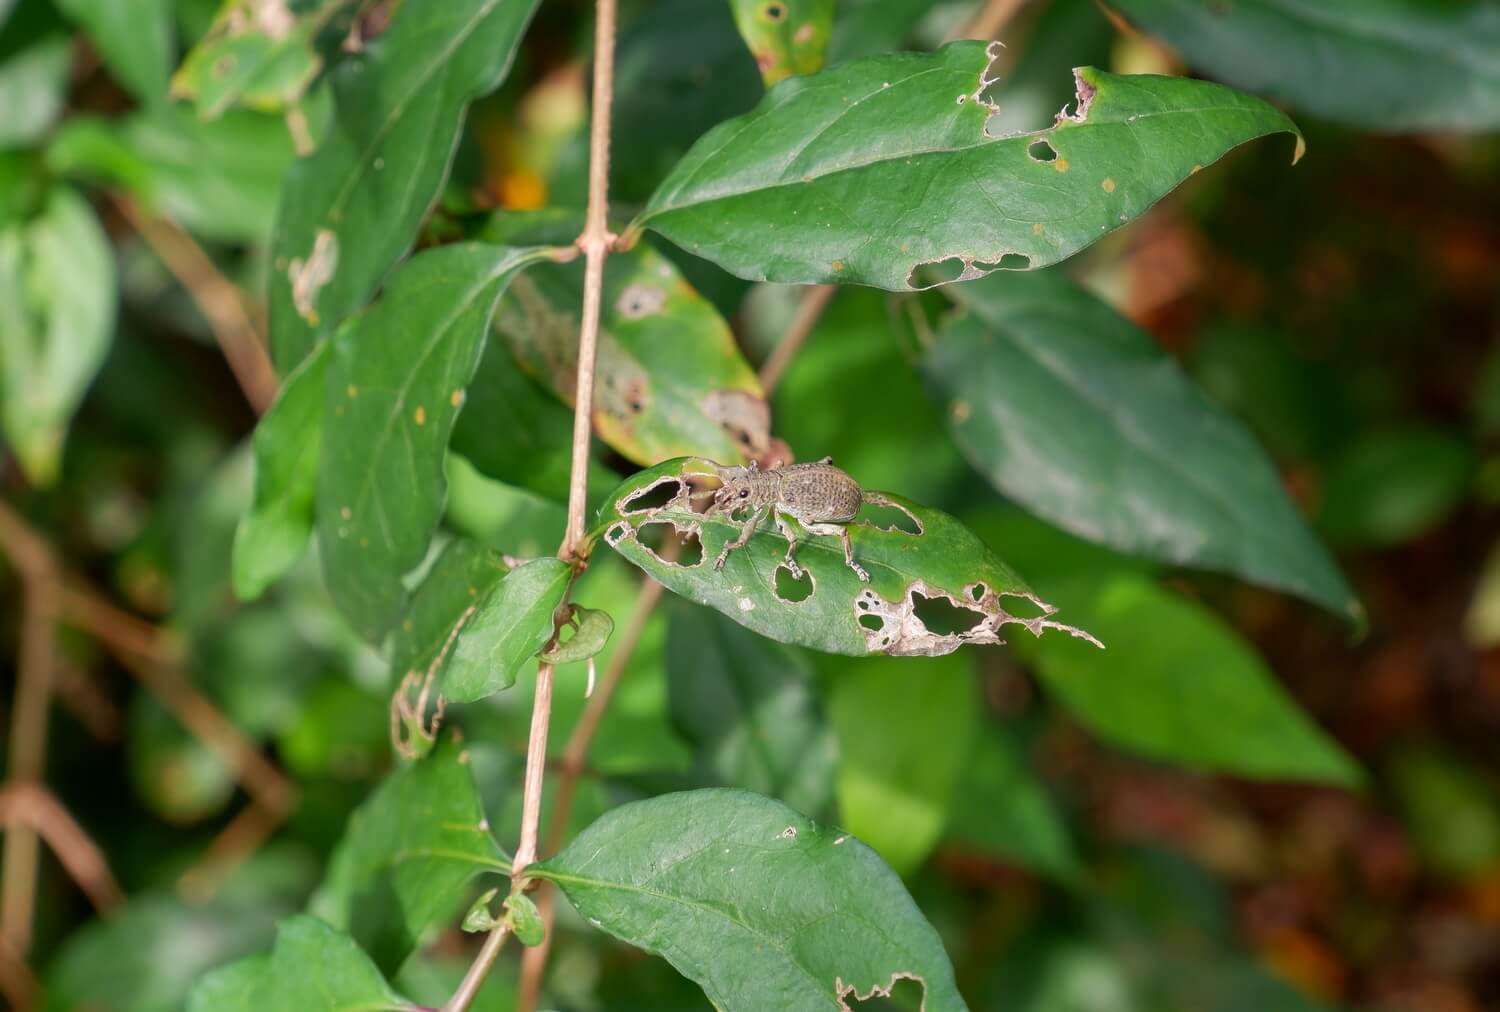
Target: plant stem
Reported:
point(808, 312)
point(480, 969)
point(989, 19)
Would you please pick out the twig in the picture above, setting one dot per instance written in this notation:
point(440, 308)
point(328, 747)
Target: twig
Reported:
point(808, 312)
point(41, 589)
point(77, 691)
point(216, 297)
point(595, 242)
point(235, 842)
point(989, 19)
point(32, 806)
point(17, 982)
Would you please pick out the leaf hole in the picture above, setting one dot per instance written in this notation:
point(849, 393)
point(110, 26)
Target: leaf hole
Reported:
point(943, 617)
point(788, 588)
point(1042, 151)
point(670, 544)
point(906, 993)
point(884, 515)
point(1027, 606)
point(942, 272)
point(874, 623)
point(1007, 262)
point(653, 497)
point(616, 533)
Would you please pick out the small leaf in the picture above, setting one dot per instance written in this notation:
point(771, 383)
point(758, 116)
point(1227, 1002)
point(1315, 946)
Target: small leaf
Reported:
point(351, 209)
point(134, 39)
point(312, 968)
point(1379, 66)
point(33, 88)
point(762, 907)
point(868, 171)
point(943, 574)
point(230, 988)
point(786, 37)
point(903, 738)
point(670, 379)
point(406, 856)
point(525, 919)
point(748, 707)
point(1451, 808)
point(1179, 685)
point(57, 317)
point(1078, 415)
point(594, 628)
point(1392, 486)
point(479, 918)
point(511, 624)
point(396, 380)
point(273, 535)
point(461, 579)
point(257, 55)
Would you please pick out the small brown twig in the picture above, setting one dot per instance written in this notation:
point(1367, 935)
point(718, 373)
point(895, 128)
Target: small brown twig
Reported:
point(32, 806)
point(807, 315)
point(17, 983)
point(216, 297)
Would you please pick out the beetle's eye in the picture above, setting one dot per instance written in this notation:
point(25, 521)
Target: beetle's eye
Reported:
point(744, 492)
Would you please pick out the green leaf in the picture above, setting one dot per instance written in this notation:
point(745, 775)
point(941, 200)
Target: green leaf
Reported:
point(406, 857)
point(262, 60)
point(914, 578)
point(134, 39)
point(57, 317)
point(1452, 810)
point(273, 535)
point(748, 708)
point(592, 633)
point(786, 37)
point(479, 917)
point(1387, 65)
point(33, 89)
point(395, 382)
point(525, 919)
point(1178, 684)
point(904, 732)
point(670, 380)
point(1392, 486)
point(868, 171)
point(312, 968)
point(1078, 415)
point(763, 908)
point(510, 625)
point(219, 180)
point(1002, 807)
point(460, 579)
point(351, 209)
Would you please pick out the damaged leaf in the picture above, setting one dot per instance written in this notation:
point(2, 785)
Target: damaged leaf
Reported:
point(924, 567)
point(786, 37)
point(1078, 415)
point(760, 906)
point(273, 535)
point(396, 379)
point(508, 628)
point(257, 53)
point(870, 170)
point(407, 855)
point(351, 208)
point(670, 379)
point(460, 579)
point(1420, 66)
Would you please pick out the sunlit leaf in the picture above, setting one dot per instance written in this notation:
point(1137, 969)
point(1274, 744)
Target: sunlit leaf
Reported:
point(943, 575)
point(33, 88)
point(1387, 65)
point(749, 708)
point(509, 626)
point(1078, 415)
point(407, 855)
point(868, 171)
point(1177, 684)
point(351, 209)
point(762, 907)
point(786, 37)
point(134, 39)
point(57, 317)
point(396, 379)
point(670, 381)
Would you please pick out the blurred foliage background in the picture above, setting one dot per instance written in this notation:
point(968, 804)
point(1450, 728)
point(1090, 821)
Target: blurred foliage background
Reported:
point(1077, 854)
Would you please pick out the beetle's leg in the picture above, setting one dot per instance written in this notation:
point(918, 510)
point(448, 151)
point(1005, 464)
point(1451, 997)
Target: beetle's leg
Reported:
point(791, 544)
point(755, 518)
point(843, 533)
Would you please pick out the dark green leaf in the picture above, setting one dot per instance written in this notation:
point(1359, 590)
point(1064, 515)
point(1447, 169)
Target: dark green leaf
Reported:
point(1392, 486)
point(351, 209)
point(1078, 415)
point(904, 732)
point(395, 382)
point(134, 39)
point(594, 628)
point(460, 579)
point(57, 318)
point(1388, 65)
point(509, 626)
point(273, 535)
point(407, 854)
point(1177, 684)
point(763, 908)
point(748, 707)
point(868, 171)
point(944, 568)
point(670, 380)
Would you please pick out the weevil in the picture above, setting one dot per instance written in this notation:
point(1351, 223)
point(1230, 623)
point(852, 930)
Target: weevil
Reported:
point(822, 498)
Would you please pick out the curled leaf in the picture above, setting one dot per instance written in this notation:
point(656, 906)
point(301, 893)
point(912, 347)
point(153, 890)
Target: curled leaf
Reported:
point(592, 629)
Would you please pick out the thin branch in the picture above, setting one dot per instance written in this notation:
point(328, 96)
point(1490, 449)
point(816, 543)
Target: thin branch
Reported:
point(474, 979)
point(216, 297)
point(989, 20)
point(81, 696)
point(32, 806)
point(17, 983)
point(808, 312)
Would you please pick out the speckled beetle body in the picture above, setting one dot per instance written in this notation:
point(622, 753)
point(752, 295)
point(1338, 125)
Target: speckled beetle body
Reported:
point(820, 497)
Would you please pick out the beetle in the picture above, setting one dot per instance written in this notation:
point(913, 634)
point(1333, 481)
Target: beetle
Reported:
point(822, 498)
